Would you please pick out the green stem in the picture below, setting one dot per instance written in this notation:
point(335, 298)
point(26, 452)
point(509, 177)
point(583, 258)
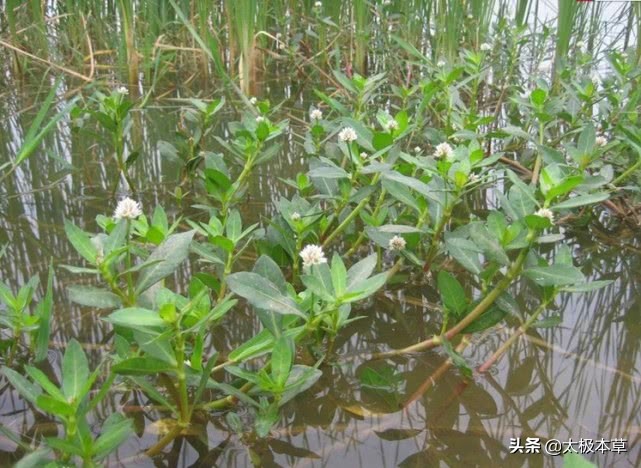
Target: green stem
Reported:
point(520, 331)
point(537, 163)
point(361, 237)
point(628, 172)
point(341, 227)
point(185, 411)
point(228, 265)
point(481, 307)
point(130, 280)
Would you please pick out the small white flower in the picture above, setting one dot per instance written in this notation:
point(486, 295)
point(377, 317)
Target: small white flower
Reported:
point(391, 124)
point(295, 216)
point(312, 255)
point(580, 44)
point(127, 209)
point(260, 119)
point(601, 141)
point(318, 4)
point(473, 178)
point(396, 243)
point(470, 16)
point(486, 47)
point(364, 155)
point(123, 90)
point(278, 35)
point(387, 2)
point(444, 150)
point(545, 213)
point(348, 134)
point(253, 101)
point(440, 63)
point(316, 114)
point(281, 46)
point(417, 149)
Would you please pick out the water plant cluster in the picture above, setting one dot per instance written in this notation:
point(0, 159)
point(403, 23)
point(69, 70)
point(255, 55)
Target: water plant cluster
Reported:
point(452, 179)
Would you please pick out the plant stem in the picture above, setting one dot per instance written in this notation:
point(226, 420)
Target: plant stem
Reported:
point(227, 271)
point(361, 237)
point(185, 412)
point(130, 281)
point(510, 341)
point(481, 307)
point(537, 164)
point(341, 227)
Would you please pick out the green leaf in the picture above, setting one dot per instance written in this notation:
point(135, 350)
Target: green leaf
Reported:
point(366, 288)
point(115, 431)
point(555, 275)
point(93, 297)
point(382, 140)
point(141, 366)
point(452, 293)
point(465, 252)
point(259, 344)
point(316, 286)
point(34, 459)
point(537, 97)
point(360, 271)
point(64, 446)
point(43, 311)
point(81, 242)
point(486, 320)
point(267, 268)
point(581, 200)
point(26, 389)
point(488, 243)
point(339, 275)
point(75, 371)
point(262, 293)
point(587, 287)
point(414, 184)
point(41, 379)
point(328, 172)
point(172, 252)
point(54, 406)
point(134, 317)
point(548, 322)
point(156, 346)
point(282, 357)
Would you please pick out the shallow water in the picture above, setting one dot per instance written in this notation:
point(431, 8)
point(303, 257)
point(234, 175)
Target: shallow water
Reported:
point(578, 380)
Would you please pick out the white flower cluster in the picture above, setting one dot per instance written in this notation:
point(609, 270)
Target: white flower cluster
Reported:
point(348, 134)
point(485, 47)
point(601, 141)
point(391, 124)
point(123, 90)
point(127, 209)
point(312, 255)
point(295, 216)
point(545, 213)
point(397, 243)
point(316, 114)
point(253, 101)
point(444, 150)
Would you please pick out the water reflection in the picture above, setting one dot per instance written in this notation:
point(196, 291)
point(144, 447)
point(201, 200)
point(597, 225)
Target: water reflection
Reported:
point(579, 380)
